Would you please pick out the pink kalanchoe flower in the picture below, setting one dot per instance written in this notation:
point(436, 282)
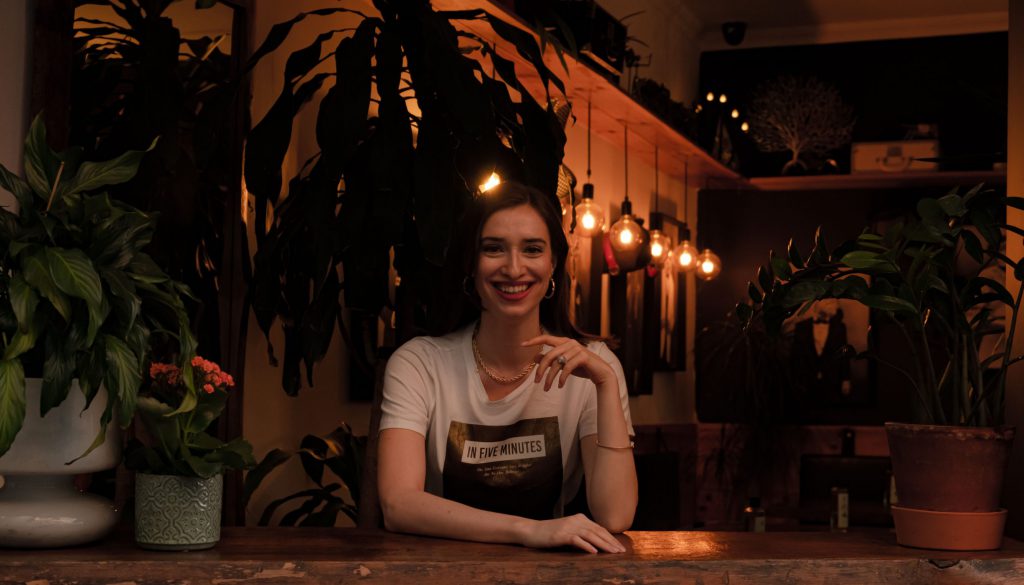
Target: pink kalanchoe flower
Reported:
point(208, 388)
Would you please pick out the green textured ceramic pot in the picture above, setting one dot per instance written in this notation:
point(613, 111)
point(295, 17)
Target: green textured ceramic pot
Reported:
point(177, 513)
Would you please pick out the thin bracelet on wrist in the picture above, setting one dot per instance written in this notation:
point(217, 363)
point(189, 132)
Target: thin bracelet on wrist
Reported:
point(614, 448)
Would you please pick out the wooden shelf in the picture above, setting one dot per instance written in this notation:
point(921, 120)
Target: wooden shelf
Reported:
point(948, 179)
point(612, 109)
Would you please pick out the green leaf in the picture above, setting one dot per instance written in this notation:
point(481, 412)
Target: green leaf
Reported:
point(41, 163)
point(794, 254)
point(58, 371)
point(142, 268)
point(21, 342)
point(73, 273)
point(765, 278)
point(123, 377)
point(254, 478)
point(208, 408)
point(744, 312)
point(888, 303)
point(93, 175)
point(17, 187)
point(869, 261)
point(12, 402)
point(205, 442)
point(23, 300)
point(953, 205)
point(126, 302)
point(802, 292)
point(780, 266)
point(203, 468)
point(37, 273)
point(754, 294)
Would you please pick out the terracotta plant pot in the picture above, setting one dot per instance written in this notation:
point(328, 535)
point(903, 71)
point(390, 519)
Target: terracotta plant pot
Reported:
point(956, 474)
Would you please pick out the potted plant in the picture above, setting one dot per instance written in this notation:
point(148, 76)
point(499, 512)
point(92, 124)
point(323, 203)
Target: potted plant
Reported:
point(930, 276)
point(79, 302)
point(179, 479)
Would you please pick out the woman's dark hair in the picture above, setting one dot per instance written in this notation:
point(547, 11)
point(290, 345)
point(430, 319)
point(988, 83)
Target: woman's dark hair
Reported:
point(463, 257)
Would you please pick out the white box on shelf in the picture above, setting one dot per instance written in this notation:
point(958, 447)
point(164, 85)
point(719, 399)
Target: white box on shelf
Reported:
point(897, 156)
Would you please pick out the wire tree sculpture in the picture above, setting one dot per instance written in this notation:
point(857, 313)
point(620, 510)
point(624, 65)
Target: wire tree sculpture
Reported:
point(800, 115)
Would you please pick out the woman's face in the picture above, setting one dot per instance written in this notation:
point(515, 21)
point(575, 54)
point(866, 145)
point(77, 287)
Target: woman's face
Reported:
point(515, 263)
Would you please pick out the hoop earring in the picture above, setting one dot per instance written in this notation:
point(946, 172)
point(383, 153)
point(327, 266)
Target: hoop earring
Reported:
point(465, 287)
point(551, 293)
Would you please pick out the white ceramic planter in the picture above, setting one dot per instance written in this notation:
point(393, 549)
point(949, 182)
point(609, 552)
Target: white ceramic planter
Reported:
point(39, 505)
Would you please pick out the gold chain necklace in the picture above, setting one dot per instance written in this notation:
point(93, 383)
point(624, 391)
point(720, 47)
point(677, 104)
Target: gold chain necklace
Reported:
point(491, 373)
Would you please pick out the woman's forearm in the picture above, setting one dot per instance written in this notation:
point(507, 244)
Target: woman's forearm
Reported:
point(420, 512)
point(612, 491)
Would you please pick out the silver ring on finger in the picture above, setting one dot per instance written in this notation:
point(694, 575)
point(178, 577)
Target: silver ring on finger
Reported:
point(561, 361)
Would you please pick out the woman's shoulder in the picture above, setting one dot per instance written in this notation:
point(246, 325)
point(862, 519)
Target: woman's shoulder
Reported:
point(430, 345)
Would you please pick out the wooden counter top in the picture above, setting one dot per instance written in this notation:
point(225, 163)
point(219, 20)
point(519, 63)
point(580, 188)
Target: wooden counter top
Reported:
point(311, 555)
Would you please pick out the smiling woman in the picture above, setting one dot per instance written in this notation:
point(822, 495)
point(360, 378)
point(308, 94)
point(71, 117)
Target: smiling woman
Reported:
point(472, 446)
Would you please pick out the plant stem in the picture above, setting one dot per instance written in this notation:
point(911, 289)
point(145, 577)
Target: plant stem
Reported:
point(1001, 385)
point(56, 182)
point(925, 402)
point(939, 415)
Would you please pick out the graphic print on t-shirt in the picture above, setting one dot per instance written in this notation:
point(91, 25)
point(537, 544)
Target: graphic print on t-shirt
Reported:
point(514, 469)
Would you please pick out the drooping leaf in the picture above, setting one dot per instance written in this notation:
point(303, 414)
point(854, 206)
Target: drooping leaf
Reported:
point(93, 175)
point(24, 301)
point(123, 377)
point(12, 402)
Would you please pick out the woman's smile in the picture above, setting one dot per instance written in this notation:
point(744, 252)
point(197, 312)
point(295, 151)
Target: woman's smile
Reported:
point(515, 262)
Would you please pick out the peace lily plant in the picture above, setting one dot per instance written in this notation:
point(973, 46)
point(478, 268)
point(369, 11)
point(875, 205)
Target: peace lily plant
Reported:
point(79, 299)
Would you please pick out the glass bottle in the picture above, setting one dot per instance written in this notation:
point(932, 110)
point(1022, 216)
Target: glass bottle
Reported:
point(754, 516)
point(840, 520)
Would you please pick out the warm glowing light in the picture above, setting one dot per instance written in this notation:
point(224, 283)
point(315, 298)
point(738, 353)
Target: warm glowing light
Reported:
point(493, 181)
point(711, 96)
point(710, 265)
point(625, 233)
point(589, 214)
point(686, 256)
point(626, 237)
point(660, 247)
point(735, 113)
point(745, 127)
point(722, 99)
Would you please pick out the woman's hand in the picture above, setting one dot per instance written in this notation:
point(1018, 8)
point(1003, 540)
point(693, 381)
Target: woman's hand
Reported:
point(569, 357)
point(577, 530)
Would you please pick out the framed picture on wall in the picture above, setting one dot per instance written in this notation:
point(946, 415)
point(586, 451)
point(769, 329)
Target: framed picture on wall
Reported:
point(664, 309)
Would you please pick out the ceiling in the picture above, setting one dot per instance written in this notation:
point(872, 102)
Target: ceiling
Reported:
point(849, 19)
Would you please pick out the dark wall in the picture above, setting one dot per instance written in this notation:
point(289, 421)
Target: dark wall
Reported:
point(958, 82)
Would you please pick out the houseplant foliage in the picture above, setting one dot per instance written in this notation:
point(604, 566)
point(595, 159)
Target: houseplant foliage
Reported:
point(388, 178)
point(178, 443)
point(916, 275)
point(134, 77)
point(930, 277)
point(342, 453)
point(81, 299)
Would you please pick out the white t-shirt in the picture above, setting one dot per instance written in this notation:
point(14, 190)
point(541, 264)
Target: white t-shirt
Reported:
point(518, 455)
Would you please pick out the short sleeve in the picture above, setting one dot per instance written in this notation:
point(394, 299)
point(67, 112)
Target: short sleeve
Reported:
point(588, 420)
point(408, 398)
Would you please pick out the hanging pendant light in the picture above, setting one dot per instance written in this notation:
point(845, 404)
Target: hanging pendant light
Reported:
point(709, 265)
point(661, 244)
point(625, 234)
point(589, 217)
point(685, 254)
